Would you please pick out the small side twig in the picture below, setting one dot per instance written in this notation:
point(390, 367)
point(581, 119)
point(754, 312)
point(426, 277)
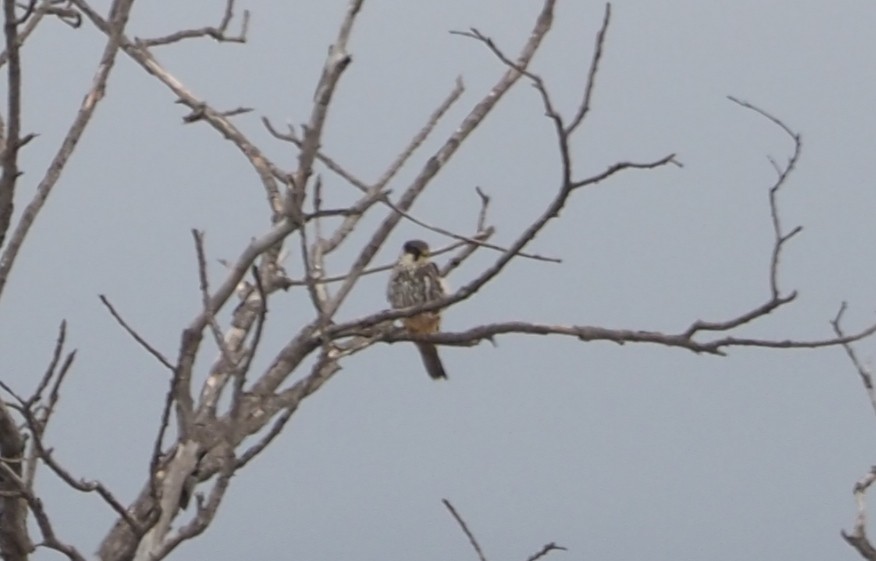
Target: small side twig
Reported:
point(53, 364)
point(545, 550)
point(863, 371)
point(783, 172)
point(584, 106)
point(474, 542)
point(218, 337)
point(219, 33)
point(476, 546)
point(136, 336)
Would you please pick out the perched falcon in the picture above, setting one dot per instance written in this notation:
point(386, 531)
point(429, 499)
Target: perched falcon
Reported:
point(415, 280)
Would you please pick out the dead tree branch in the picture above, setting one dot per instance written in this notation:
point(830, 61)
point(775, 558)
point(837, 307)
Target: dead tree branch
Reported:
point(857, 538)
point(218, 434)
point(863, 371)
point(476, 546)
point(114, 31)
point(219, 33)
point(474, 542)
point(11, 141)
point(134, 334)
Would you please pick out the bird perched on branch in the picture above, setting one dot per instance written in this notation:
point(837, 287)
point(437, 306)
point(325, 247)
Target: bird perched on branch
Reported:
point(415, 280)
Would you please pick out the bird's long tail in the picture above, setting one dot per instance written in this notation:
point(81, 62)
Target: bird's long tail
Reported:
point(432, 361)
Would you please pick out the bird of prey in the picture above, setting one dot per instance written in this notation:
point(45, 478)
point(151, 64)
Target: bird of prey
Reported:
point(415, 280)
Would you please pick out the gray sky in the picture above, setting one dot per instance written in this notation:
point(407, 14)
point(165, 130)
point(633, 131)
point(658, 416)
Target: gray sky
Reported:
point(613, 452)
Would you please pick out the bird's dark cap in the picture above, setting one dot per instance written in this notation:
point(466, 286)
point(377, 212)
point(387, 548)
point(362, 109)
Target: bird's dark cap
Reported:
point(416, 248)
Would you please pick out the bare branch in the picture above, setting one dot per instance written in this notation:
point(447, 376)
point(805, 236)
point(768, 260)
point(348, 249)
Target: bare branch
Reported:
point(477, 334)
point(863, 371)
point(326, 366)
point(206, 511)
point(783, 172)
point(53, 364)
point(545, 550)
point(469, 239)
point(266, 170)
point(38, 412)
point(527, 235)
point(338, 60)
point(114, 31)
point(136, 336)
point(200, 113)
point(476, 546)
point(218, 338)
point(29, 10)
point(158, 445)
point(31, 22)
point(50, 539)
point(173, 477)
point(858, 537)
point(11, 142)
point(218, 33)
point(584, 106)
point(466, 531)
point(421, 136)
point(751, 315)
point(620, 166)
point(375, 193)
point(313, 272)
point(321, 157)
point(445, 153)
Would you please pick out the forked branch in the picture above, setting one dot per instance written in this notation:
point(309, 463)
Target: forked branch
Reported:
point(547, 548)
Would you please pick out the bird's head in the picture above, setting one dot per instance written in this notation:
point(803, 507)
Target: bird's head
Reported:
point(415, 251)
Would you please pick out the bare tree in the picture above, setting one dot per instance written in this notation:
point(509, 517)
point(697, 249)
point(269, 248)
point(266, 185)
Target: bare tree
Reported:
point(207, 434)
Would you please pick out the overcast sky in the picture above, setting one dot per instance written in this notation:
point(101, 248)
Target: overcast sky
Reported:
point(616, 453)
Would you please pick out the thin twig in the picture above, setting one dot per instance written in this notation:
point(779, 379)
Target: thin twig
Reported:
point(53, 364)
point(584, 106)
point(783, 172)
point(863, 371)
point(527, 235)
point(136, 336)
point(312, 274)
point(464, 526)
point(336, 63)
point(545, 550)
point(443, 155)
point(114, 32)
point(266, 170)
point(204, 286)
point(219, 33)
point(374, 193)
